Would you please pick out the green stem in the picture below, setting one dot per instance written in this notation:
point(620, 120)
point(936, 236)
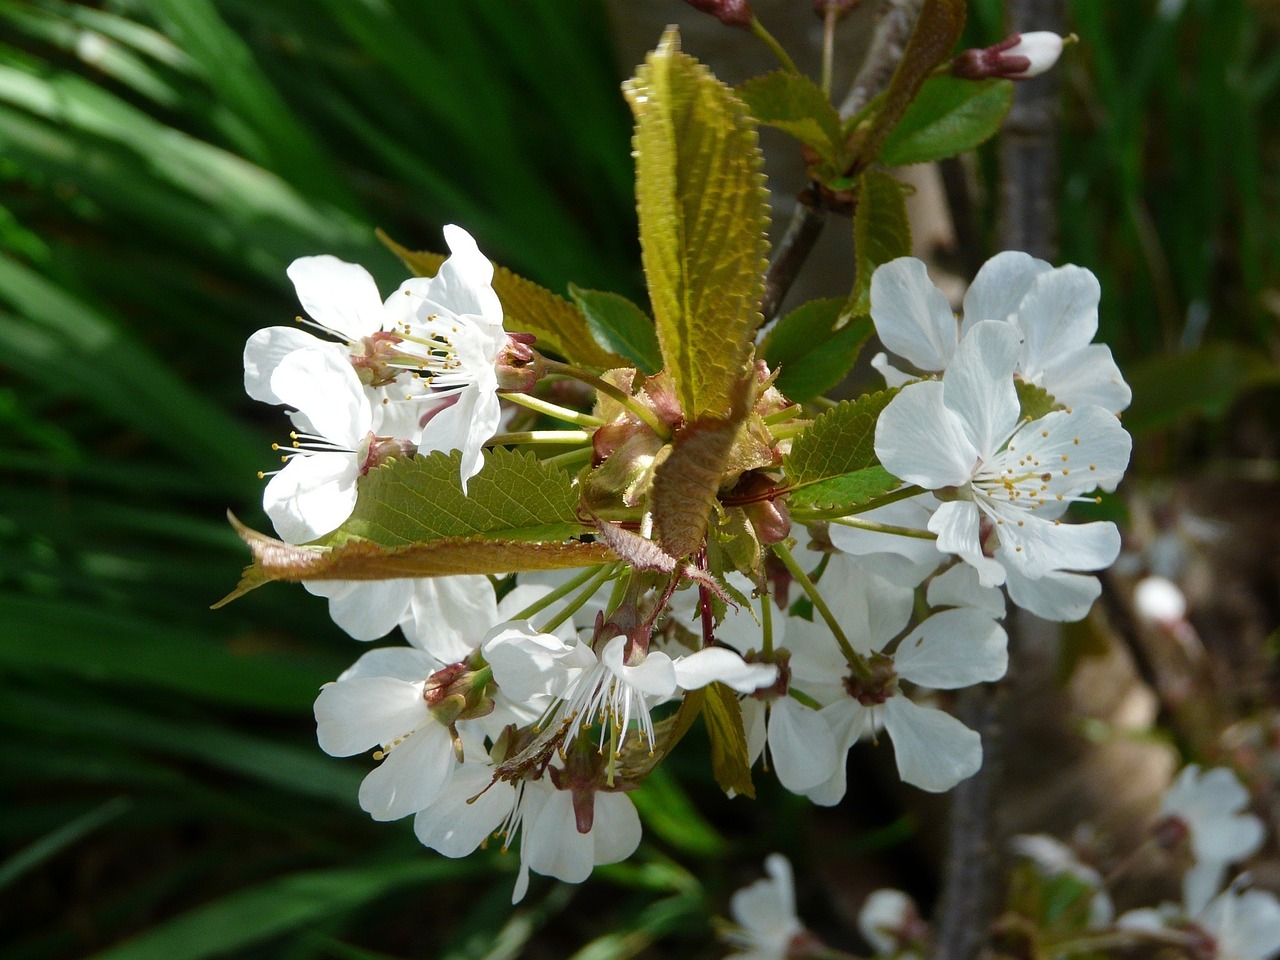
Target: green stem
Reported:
point(884, 528)
point(608, 389)
point(855, 659)
point(570, 459)
point(783, 415)
point(766, 625)
point(540, 436)
point(903, 493)
point(772, 43)
point(804, 698)
point(576, 603)
point(554, 410)
point(563, 590)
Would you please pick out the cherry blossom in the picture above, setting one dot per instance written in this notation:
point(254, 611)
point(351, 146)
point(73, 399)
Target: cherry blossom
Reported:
point(1053, 309)
point(1006, 482)
point(765, 915)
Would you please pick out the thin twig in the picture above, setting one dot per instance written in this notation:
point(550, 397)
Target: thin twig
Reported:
point(1027, 218)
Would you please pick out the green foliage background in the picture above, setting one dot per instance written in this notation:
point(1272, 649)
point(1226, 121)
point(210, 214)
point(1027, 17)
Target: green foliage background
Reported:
point(161, 162)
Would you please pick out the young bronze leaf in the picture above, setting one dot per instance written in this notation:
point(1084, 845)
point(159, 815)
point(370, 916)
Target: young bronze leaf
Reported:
point(730, 761)
point(366, 560)
point(686, 483)
point(515, 496)
point(528, 308)
point(703, 216)
point(881, 232)
point(840, 441)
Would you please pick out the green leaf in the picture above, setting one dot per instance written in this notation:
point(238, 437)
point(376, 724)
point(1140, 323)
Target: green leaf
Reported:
point(1208, 381)
point(280, 906)
point(846, 491)
point(947, 117)
point(1033, 401)
point(881, 232)
point(840, 441)
point(528, 308)
point(50, 845)
point(703, 218)
point(730, 761)
point(85, 641)
point(936, 31)
point(795, 104)
point(515, 496)
point(620, 327)
point(667, 810)
point(365, 560)
point(811, 350)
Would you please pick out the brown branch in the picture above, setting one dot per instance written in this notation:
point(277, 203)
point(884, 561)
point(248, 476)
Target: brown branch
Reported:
point(810, 215)
point(1028, 220)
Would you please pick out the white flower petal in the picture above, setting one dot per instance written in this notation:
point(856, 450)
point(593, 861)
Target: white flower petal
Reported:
point(464, 282)
point(1059, 315)
point(1087, 377)
point(953, 649)
point(264, 350)
point(311, 495)
point(615, 828)
point(325, 388)
point(365, 609)
point(912, 513)
point(957, 525)
point(1035, 546)
point(883, 915)
point(447, 616)
point(766, 910)
point(1000, 286)
point(527, 663)
point(552, 843)
point(400, 663)
point(978, 386)
point(654, 676)
point(893, 377)
point(353, 716)
point(1201, 883)
point(1246, 925)
point(1057, 596)
point(339, 295)
point(961, 587)
point(849, 721)
point(455, 827)
point(801, 746)
point(923, 442)
point(723, 665)
point(411, 775)
point(934, 750)
point(911, 315)
point(465, 425)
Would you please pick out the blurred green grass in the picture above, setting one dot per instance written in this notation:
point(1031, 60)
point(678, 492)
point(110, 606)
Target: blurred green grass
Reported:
point(161, 162)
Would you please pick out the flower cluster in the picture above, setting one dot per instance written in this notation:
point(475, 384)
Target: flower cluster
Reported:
point(526, 706)
point(1062, 903)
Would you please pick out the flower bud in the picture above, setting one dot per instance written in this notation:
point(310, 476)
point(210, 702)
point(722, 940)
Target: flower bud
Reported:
point(1019, 57)
point(518, 366)
point(732, 13)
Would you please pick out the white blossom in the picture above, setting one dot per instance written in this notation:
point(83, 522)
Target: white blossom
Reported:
point(1211, 805)
point(1007, 482)
point(765, 915)
point(888, 921)
point(1054, 311)
point(1242, 924)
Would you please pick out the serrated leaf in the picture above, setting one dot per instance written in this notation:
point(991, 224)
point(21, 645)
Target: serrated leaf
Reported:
point(730, 761)
point(620, 327)
point(947, 117)
point(527, 308)
point(365, 560)
point(847, 490)
point(703, 218)
point(1033, 401)
point(881, 232)
point(936, 31)
point(795, 104)
point(515, 496)
point(810, 349)
point(840, 441)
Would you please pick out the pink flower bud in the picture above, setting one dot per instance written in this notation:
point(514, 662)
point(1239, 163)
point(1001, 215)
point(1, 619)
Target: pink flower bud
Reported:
point(1019, 57)
point(732, 13)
